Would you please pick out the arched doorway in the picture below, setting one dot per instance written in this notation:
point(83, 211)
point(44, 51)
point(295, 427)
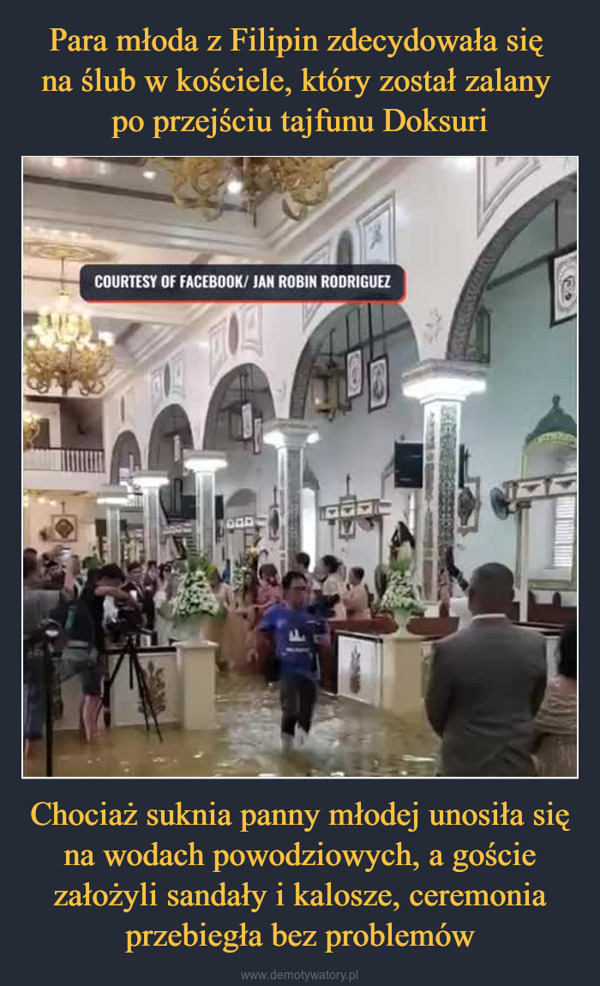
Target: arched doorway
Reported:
point(125, 458)
point(462, 342)
point(240, 404)
point(245, 385)
point(171, 434)
point(531, 359)
point(357, 433)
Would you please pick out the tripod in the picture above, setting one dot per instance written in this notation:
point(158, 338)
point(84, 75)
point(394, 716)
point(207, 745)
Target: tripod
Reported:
point(129, 650)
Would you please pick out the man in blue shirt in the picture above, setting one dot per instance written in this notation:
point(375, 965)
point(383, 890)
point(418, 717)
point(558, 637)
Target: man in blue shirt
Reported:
point(296, 634)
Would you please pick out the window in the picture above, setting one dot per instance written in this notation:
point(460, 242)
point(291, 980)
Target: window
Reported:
point(564, 532)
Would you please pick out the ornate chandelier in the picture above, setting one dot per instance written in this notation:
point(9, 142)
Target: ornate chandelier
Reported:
point(31, 429)
point(60, 349)
point(203, 182)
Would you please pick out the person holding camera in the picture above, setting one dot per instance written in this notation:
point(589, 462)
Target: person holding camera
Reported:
point(40, 603)
point(87, 646)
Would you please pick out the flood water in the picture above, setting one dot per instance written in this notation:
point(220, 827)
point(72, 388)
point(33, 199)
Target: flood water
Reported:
point(348, 739)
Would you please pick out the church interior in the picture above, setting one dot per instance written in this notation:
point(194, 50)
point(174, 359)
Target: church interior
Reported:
point(195, 445)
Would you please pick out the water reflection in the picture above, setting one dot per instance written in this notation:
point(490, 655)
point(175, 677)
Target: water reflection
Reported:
point(349, 739)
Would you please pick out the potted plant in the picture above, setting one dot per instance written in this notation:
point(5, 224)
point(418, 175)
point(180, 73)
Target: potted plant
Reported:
point(400, 597)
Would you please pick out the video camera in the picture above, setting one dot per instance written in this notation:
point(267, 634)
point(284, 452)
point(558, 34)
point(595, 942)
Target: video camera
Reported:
point(127, 621)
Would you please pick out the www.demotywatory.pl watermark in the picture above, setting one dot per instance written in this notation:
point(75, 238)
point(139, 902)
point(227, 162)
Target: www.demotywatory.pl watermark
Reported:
point(301, 975)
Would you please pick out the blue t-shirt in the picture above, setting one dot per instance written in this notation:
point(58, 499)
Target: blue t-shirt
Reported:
point(295, 631)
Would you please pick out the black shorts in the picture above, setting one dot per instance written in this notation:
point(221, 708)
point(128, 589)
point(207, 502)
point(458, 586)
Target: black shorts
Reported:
point(85, 662)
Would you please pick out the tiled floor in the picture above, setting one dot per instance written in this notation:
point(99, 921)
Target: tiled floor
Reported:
point(348, 739)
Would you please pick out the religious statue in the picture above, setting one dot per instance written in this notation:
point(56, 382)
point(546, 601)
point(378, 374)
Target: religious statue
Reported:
point(402, 546)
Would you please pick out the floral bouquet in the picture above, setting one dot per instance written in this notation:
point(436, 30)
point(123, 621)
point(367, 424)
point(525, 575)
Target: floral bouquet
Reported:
point(194, 597)
point(400, 597)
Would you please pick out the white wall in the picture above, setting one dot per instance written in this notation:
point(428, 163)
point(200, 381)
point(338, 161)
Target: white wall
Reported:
point(38, 516)
point(362, 444)
point(530, 362)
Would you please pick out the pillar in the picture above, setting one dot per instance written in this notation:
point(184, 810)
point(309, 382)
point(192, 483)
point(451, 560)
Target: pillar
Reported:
point(113, 498)
point(204, 465)
point(290, 437)
point(523, 508)
point(197, 662)
point(441, 386)
point(150, 484)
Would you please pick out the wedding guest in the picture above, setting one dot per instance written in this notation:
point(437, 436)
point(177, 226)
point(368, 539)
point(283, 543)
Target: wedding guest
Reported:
point(87, 646)
point(555, 727)
point(302, 565)
point(246, 609)
point(151, 576)
point(220, 589)
point(332, 586)
point(40, 603)
point(296, 633)
point(269, 586)
point(218, 626)
point(163, 605)
point(141, 592)
point(356, 595)
point(486, 685)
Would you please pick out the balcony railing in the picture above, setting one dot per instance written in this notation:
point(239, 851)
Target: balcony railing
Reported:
point(88, 460)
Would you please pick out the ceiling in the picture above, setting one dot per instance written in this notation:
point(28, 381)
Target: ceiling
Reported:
point(120, 210)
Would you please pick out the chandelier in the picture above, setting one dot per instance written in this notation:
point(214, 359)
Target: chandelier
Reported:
point(60, 349)
point(204, 182)
point(31, 429)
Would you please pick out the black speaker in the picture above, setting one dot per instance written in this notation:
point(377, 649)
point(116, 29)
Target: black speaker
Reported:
point(408, 465)
point(219, 508)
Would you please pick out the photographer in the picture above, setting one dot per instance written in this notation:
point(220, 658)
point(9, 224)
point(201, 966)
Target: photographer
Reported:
point(87, 646)
point(40, 603)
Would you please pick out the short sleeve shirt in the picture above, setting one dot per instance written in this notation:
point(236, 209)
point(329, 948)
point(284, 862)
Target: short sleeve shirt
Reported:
point(295, 632)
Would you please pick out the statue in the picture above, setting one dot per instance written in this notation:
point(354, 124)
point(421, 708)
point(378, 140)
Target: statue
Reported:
point(402, 546)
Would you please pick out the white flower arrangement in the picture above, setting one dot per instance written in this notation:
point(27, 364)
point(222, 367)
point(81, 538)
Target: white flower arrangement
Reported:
point(194, 595)
point(400, 595)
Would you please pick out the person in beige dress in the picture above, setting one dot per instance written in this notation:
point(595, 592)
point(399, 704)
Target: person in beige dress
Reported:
point(356, 596)
point(555, 736)
point(218, 628)
point(243, 619)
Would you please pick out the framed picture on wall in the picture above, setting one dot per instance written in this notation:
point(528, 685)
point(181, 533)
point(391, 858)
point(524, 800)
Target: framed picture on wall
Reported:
point(354, 373)
point(64, 527)
point(378, 383)
point(347, 528)
point(563, 286)
point(247, 422)
point(258, 435)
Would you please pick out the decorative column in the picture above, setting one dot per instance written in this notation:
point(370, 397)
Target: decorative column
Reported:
point(113, 498)
point(150, 484)
point(204, 465)
point(441, 386)
point(290, 437)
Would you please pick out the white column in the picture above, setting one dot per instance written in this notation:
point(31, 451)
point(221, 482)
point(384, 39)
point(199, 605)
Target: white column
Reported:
point(113, 535)
point(150, 484)
point(204, 464)
point(441, 386)
point(290, 437)
point(113, 498)
point(523, 509)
